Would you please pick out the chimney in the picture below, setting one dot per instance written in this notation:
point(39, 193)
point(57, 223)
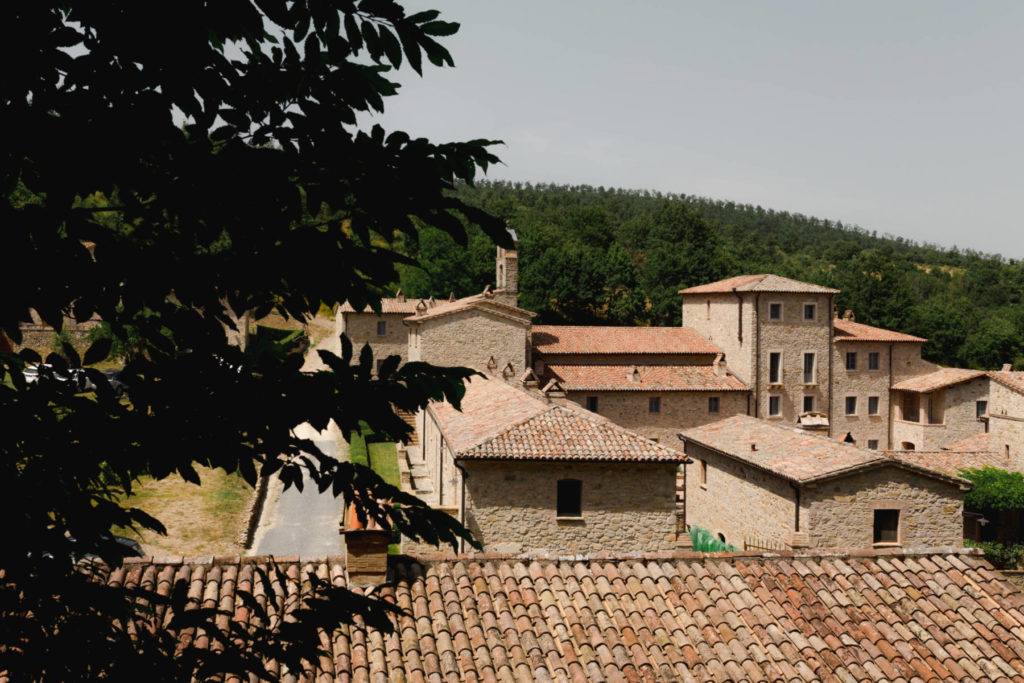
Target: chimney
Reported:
point(431, 302)
point(421, 307)
point(492, 364)
point(528, 379)
point(366, 550)
point(508, 370)
point(634, 374)
point(1007, 367)
point(400, 297)
point(719, 365)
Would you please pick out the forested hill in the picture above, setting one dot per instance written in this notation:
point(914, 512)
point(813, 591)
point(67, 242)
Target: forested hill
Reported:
point(604, 256)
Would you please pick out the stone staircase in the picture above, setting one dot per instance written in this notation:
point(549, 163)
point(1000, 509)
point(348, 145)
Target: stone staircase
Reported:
point(410, 419)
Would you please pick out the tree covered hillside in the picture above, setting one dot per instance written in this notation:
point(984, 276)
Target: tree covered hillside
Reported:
point(609, 256)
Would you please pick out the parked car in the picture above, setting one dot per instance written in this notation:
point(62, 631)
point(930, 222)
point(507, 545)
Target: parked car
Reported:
point(74, 378)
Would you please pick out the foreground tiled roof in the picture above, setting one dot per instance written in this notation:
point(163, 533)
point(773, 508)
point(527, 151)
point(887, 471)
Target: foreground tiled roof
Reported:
point(1014, 380)
point(850, 331)
point(664, 617)
point(759, 283)
point(952, 462)
point(939, 379)
point(792, 453)
point(972, 444)
point(388, 305)
point(647, 378)
point(580, 339)
point(502, 422)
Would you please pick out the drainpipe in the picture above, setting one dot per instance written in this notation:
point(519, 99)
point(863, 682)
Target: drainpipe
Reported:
point(888, 430)
point(462, 507)
point(796, 512)
point(757, 354)
point(739, 315)
point(831, 355)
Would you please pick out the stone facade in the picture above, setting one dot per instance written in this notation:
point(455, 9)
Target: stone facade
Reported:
point(364, 327)
point(728, 321)
point(738, 501)
point(954, 415)
point(1006, 423)
point(471, 337)
point(863, 384)
point(511, 507)
point(744, 503)
point(677, 410)
point(841, 511)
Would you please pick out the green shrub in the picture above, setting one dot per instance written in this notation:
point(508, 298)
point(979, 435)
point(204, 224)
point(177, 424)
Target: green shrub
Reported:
point(704, 541)
point(994, 489)
point(1001, 556)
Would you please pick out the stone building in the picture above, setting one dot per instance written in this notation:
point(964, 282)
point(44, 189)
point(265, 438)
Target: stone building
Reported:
point(939, 408)
point(1006, 417)
point(760, 484)
point(526, 474)
point(385, 332)
point(652, 380)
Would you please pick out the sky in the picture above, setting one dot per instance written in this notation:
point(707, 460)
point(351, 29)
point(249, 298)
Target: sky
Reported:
point(903, 117)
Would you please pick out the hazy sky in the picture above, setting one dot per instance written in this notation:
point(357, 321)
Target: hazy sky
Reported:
point(902, 117)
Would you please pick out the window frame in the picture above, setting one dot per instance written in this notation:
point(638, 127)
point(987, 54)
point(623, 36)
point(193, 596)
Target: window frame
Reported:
point(382, 328)
point(654, 405)
point(851, 355)
point(714, 405)
point(703, 473)
point(877, 532)
point(846, 405)
point(565, 489)
point(878, 405)
point(814, 311)
point(873, 441)
point(777, 398)
point(808, 397)
point(874, 360)
point(591, 403)
point(980, 408)
point(778, 378)
point(814, 367)
point(781, 309)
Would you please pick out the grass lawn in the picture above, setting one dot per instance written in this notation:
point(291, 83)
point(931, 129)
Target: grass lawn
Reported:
point(381, 457)
point(200, 520)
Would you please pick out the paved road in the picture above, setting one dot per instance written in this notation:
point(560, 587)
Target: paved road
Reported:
point(303, 523)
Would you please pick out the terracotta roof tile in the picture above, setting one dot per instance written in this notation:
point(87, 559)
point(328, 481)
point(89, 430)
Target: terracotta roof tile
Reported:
point(387, 305)
point(979, 443)
point(577, 339)
point(939, 379)
point(485, 301)
point(759, 283)
point(489, 407)
point(792, 453)
point(850, 331)
point(495, 618)
point(645, 378)
point(1014, 380)
point(952, 462)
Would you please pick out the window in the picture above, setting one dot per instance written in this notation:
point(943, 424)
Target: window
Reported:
point(775, 311)
point(851, 360)
point(654, 404)
point(980, 408)
point(808, 404)
point(774, 405)
point(873, 360)
point(873, 444)
point(872, 405)
point(907, 446)
point(592, 403)
point(704, 473)
point(713, 405)
point(809, 368)
point(887, 526)
point(570, 498)
point(809, 311)
point(775, 367)
point(707, 310)
point(851, 405)
point(382, 328)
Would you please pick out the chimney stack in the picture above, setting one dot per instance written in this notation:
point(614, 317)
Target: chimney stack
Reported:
point(366, 550)
point(1007, 367)
point(719, 365)
point(848, 315)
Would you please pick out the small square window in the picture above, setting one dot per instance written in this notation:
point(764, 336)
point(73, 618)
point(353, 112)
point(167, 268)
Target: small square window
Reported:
point(774, 405)
point(851, 360)
point(713, 405)
point(980, 408)
point(592, 403)
point(887, 526)
point(570, 498)
point(851, 405)
point(873, 360)
point(808, 404)
point(775, 311)
point(382, 328)
point(872, 405)
point(873, 444)
point(809, 311)
point(654, 404)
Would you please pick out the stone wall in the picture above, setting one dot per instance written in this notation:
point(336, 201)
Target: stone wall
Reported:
point(361, 328)
point(1006, 423)
point(793, 336)
point(739, 501)
point(469, 338)
point(627, 507)
point(862, 383)
point(955, 412)
point(718, 318)
point(679, 410)
point(842, 510)
point(907, 362)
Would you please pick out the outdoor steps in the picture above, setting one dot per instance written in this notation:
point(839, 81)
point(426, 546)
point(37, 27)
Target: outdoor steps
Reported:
point(410, 419)
point(416, 475)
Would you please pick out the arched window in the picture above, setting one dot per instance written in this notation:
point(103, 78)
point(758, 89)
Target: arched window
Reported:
point(570, 498)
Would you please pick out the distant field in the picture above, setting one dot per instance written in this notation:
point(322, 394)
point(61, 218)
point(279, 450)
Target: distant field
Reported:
point(200, 520)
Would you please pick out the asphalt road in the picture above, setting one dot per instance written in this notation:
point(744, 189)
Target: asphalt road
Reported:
point(303, 523)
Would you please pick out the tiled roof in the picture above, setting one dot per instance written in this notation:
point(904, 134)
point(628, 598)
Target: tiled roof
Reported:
point(647, 378)
point(943, 377)
point(387, 305)
point(792, 453)
point(759, 283)
point(954, 461)
point(850, 331)
point(1014, 380)
point(502, 422)
point(866, 616)
point(579, 339)
point(484, 301)
point(972, 444)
